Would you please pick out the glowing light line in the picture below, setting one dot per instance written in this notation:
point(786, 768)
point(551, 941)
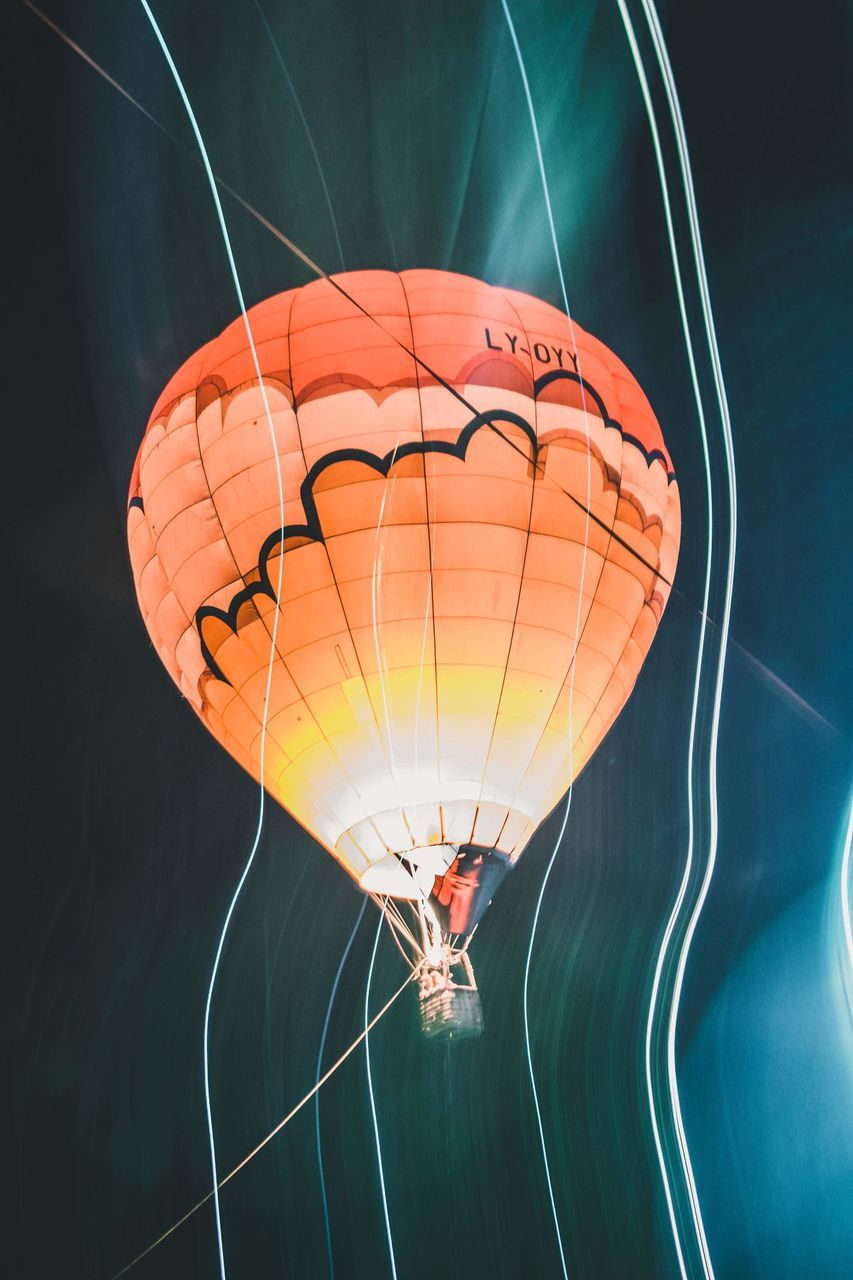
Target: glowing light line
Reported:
point(844, 889)
point(274, 636)
point(540, 160)
point(308, 133)
point(558, 842)
point(333, 220)
point(376, 584)
point(326, 1020)
point(688, 864)
point(372, 1101)
point(72, 44)
point(722, 401)
point(272, 1133)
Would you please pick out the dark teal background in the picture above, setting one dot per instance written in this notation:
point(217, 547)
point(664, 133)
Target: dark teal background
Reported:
point(126, 826)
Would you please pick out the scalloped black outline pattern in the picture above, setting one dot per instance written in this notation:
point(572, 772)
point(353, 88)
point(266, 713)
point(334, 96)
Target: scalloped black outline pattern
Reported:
point(312, 531)
point(559, 375)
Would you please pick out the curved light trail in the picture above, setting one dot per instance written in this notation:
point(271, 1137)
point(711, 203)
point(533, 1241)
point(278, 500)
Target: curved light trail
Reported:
point(688, 864)
point(372, 1100)
point(377, 573)
point(844, 890)
point(722, 403)
point(327, 197)
point(325, 1031)
point(273, 639)
point(557, 843)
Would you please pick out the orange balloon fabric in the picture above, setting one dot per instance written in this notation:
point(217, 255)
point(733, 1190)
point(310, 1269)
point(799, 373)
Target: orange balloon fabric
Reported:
point(430, 673)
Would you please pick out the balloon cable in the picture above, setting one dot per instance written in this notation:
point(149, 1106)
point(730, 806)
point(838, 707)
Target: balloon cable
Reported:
point(273, 1132)
point(319, 1069)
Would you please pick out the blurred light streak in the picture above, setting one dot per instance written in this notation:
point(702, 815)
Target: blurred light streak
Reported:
point(274, 635)
point(844, 892)
point(308, 134)
point(540, 162)
point(722, 402)
point(372, 1099)
point(362, 1035)
point(528, 958)
point(48, 22)
point(326, 1020)
point(688, 862)
point(784, 691)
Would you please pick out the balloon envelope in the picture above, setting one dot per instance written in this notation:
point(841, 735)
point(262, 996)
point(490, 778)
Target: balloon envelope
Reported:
point(477, 552)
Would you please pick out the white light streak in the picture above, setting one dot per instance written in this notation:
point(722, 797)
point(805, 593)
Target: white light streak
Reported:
point(722, 401)
point(558, 841)
point(319, 1069)
point(256, 841)
point(844, 890)
point(372, 1101)
point(688, 864)
point(308, 134)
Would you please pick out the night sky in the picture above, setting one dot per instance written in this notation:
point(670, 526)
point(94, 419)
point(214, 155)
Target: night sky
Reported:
point(127, 826)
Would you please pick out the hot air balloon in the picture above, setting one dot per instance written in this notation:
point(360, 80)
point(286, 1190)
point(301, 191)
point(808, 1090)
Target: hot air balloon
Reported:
point(481, 526)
